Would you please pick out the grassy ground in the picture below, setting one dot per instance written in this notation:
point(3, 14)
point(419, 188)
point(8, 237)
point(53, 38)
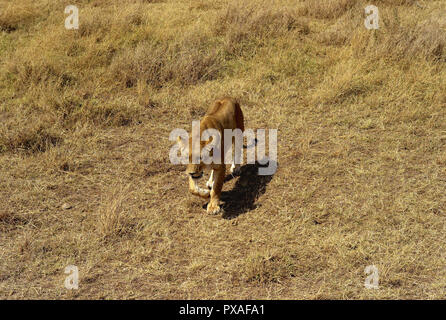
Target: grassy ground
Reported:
point(85, 177)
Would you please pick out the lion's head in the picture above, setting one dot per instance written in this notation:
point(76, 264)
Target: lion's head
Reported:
point(207, 147)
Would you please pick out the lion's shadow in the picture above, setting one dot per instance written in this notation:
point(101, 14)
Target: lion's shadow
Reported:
point(248, 188)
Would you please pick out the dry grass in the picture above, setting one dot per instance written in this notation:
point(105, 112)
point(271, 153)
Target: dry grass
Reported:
point(113, 214)
point(185, 63)
point(15, 16)
point(330, 9)
point(85, 177)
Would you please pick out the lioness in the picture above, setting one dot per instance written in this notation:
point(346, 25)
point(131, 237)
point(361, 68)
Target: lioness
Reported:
point(223, 114)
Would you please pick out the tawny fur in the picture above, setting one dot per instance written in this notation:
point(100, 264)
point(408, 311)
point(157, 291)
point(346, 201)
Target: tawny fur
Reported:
point(223, 114)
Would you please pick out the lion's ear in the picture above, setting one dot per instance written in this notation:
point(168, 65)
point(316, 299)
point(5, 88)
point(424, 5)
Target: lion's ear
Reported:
point(181, 142)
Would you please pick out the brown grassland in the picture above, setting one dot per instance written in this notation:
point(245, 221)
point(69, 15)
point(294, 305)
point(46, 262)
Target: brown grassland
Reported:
point(85, 176)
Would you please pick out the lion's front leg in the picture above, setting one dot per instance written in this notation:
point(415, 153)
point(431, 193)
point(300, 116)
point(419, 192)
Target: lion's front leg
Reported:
point(210, 183)
point(219, 177)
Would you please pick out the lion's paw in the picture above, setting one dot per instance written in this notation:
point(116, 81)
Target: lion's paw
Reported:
point(213, 208)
